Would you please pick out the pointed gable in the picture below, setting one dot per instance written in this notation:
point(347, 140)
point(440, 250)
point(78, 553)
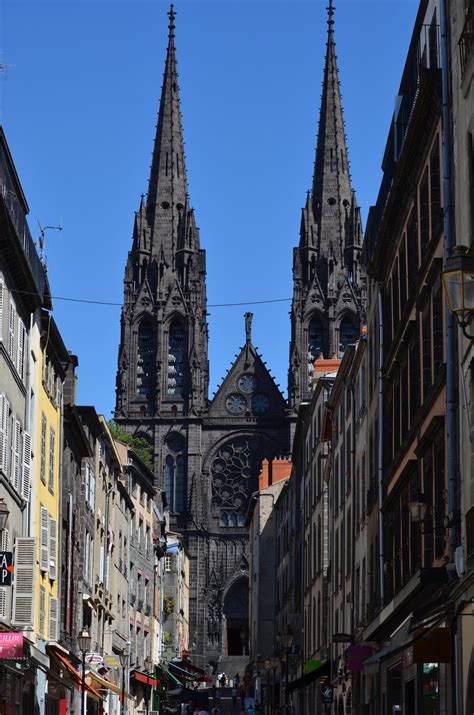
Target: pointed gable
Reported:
point(248, 391)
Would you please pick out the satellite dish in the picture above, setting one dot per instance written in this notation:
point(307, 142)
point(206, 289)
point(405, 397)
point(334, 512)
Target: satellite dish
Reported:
point(459, 561)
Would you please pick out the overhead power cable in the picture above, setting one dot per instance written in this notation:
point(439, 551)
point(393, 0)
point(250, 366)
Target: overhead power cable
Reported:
point(108, 302)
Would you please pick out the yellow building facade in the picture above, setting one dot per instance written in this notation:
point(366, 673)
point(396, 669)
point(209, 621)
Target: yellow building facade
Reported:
point(52, 359)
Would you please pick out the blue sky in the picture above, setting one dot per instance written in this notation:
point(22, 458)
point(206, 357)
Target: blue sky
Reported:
point(79, 105)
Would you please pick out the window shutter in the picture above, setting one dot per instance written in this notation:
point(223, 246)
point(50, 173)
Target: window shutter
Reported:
point(3, 466)
point(43, 448)
point(11, 332)
point(42, 610)
point(26, 471)
point(52, 548)
point(53, 619)
point(23, 592)
point(21, 347)
point(92, 490)
point(3, 602)
point(1, 311)
point(16, 467)
point(5, 540)
point(52, 443)
point(6, 423)
point(44, 543)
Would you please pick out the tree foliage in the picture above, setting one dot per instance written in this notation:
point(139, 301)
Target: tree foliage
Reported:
point(139, 445)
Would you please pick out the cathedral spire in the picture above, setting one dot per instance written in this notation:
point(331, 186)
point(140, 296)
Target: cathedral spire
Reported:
point(331, 190)
point(168, 188)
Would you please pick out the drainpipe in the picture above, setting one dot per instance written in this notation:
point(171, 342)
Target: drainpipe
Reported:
point(448, 245)
point(381, 445)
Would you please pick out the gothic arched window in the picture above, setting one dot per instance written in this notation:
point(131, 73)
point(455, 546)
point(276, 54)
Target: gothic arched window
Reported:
point(175, 474)
point(176, 358)
point(315, 339)
point(347, 333)
point(145, 360)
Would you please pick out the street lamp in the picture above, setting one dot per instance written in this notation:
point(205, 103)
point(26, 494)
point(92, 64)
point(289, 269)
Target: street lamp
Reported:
point(84, 641)
point(148, 664)
point(458, 284)
point(123, 657)
point(417, 509)
point(4, 514)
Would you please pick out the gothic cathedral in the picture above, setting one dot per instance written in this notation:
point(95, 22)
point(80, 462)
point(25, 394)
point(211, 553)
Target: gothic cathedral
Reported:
point(208, 453)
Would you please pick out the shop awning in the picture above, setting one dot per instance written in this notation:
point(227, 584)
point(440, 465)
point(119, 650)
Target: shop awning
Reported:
point(185, 663)
point(144, 678)
point(101, 682)
point(311, 677)
point(76, 675)
point(183, 672)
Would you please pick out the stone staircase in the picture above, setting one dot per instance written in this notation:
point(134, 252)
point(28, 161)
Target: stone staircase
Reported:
point(232, 664)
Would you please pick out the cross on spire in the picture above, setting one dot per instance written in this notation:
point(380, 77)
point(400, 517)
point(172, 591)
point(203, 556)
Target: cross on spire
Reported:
point(171, 15)
point(330, 10)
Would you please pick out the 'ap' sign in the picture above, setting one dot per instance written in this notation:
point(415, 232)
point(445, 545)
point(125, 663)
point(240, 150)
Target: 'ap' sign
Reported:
point(6, 568)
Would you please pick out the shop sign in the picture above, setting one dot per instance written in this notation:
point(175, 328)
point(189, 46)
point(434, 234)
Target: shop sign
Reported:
point(327, 694)
point(94, 658)
point(6, 568)
point(11, 646)
point(355, 656)
point(111, 661)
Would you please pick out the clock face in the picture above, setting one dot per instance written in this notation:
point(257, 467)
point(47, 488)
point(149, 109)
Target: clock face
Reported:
point(248, 383)
point(260, 404)
point(235, 404)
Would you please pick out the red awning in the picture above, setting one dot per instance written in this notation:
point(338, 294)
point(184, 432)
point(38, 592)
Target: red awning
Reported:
point(144, 678)
point(190, 666)
point(64, 661)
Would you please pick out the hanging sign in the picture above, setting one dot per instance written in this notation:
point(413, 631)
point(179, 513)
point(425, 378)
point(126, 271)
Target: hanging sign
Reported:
point(327, 694)
point(11, 645)
point(6, 568)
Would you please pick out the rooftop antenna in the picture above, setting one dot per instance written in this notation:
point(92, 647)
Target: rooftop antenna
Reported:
point(41, 245)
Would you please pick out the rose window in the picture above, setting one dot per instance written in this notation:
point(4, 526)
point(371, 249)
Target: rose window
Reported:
point(235, 469)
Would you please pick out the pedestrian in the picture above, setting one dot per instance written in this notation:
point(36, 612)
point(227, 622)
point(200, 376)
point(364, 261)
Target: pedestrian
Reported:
point(242, 696)
point(237, 680)
point(235, 692)
point(222, 680)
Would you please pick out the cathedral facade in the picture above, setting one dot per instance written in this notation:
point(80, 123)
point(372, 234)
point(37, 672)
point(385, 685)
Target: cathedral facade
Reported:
point(207, 454)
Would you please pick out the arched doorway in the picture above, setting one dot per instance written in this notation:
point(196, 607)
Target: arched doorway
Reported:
point(236, 612)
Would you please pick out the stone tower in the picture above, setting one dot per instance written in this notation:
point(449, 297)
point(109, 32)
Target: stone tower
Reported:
point(329, 285)
point(207, 453)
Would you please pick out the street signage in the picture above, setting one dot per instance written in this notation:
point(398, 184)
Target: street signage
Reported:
point(341, 638)
point(6, 568)
point(11, 645)
point(327, 694)
point(111, 661)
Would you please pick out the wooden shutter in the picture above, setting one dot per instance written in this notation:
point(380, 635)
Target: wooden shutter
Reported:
point(3, 602)
point(42, 610)
point(16, 451)
point(26, 467)
point(4, 540)
point(3, 465)
point(43, 448)
point(52, 443)
point(53, 545)
point(11, 332)
point(21, 348)
point(44, 542)
point(92, 490)
point(23, 591)
point(53, 619)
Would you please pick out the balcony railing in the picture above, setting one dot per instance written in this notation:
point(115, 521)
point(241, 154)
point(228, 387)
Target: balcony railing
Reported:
point(18, 219)
point(466, 39)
